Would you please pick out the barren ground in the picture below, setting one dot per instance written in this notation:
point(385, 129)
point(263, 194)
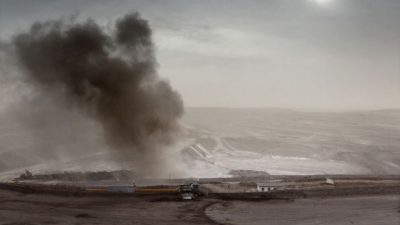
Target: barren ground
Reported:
point(18, 208)
point(365, 210)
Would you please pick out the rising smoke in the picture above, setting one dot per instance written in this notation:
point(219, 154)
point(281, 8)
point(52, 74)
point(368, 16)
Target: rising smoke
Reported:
point(111, 77)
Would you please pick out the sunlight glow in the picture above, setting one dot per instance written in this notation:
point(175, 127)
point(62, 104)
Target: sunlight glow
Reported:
point(322, 2)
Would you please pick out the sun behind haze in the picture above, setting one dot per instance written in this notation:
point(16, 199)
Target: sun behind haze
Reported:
point(319, 54)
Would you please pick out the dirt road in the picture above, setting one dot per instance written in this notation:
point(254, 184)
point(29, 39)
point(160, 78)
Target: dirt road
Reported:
point(17, 208)
point(360, 210)
point(28, 209)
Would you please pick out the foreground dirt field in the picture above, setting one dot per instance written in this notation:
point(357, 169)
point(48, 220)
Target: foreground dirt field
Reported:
point(18, 208)
point(365, 210)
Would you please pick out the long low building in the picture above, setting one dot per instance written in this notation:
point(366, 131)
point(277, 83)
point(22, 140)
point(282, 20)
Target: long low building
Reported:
point(270, 186)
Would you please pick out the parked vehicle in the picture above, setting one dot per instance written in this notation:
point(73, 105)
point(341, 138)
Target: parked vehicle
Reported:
point(189, 191)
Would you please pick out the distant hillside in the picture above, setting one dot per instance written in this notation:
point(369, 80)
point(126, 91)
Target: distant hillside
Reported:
point(281, 141)
point(219, 140)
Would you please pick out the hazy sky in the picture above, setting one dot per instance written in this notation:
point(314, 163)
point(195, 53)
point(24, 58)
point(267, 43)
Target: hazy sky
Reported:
point(322, 54)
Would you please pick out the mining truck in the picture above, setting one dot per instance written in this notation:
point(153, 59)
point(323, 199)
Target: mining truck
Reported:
point(189, 191)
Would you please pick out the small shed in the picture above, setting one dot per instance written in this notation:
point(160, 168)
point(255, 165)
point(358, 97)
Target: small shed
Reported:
point(330, 181)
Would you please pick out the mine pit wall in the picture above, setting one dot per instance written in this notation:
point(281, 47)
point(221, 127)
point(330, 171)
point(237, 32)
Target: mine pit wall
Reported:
point(69, 190)
point(299, 178)
point(245, 196)
point(57, 189)
point(303, 187)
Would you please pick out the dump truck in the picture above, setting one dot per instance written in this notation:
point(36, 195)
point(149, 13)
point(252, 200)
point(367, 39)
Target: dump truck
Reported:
point(190, 190)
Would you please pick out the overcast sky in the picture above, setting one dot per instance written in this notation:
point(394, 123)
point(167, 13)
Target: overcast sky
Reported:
point(319, 54)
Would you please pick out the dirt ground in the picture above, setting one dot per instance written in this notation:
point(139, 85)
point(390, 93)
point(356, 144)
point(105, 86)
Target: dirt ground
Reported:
point(28, 209)
point(17, 208)
point(364, 210)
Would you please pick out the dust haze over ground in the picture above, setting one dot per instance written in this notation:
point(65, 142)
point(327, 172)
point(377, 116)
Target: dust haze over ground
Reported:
point(217, 140)
point(282, 141)
point(81, 78)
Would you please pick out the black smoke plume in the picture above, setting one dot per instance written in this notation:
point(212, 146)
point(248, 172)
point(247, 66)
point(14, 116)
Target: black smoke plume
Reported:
point(110, 75)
